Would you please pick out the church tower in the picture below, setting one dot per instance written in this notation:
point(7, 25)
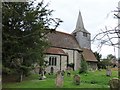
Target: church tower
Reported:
point(81, 34)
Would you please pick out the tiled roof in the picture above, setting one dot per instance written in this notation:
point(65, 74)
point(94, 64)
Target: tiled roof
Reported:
point(63, 40)
point(88, 55)
point(57, 51)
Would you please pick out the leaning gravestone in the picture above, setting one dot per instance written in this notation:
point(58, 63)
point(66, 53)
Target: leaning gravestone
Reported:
point(59, 80)
point(114, 84)
point(108, 72)
point(76, 79)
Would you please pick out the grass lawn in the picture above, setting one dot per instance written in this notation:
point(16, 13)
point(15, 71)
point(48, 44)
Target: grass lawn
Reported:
point(96, 79)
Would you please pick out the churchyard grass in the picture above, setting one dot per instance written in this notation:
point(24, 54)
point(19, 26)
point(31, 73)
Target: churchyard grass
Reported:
point(91, 79)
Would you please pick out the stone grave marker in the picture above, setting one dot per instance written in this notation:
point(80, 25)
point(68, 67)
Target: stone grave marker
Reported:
point(76, 79)
point(59, 80)
point(114, 84)
point(108, 72)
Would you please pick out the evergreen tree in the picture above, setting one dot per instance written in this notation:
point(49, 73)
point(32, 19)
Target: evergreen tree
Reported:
point(24, 26)
point(98, 57)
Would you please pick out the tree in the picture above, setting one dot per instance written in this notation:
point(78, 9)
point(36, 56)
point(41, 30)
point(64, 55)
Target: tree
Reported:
point(110, 60)
point(24, 28)
point(105, 63)
point(98, 57)
point(111, 57)
point(110, 37)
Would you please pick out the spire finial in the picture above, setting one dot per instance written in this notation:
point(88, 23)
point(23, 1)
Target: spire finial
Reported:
point(79, 24)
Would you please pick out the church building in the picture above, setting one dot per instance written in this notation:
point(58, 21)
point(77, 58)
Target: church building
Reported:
point(70, 48)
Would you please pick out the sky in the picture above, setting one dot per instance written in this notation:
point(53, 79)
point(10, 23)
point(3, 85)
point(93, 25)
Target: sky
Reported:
point(96, 14)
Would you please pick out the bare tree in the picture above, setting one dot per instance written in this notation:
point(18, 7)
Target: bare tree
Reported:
point(110, 37)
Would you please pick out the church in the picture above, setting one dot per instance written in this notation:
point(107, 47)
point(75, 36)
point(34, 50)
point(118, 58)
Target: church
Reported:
point(70, 48)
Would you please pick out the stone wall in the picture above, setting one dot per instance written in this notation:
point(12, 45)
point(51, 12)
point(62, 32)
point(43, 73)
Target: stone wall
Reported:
point(83, 41)
point(57, 67)
point(92, 65)
point(70, 55)
point(77, 60)
point(73, 57)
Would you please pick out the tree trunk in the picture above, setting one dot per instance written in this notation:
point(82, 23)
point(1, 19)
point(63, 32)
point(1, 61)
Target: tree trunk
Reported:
point(20, 79)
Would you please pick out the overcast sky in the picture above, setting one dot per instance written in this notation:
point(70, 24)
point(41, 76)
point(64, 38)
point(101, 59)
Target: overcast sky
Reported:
point(96, 15)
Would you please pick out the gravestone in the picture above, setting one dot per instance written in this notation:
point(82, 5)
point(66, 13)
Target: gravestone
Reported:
point(76, 79)
point(114, 84)
point(59, 80)
point(108, 72)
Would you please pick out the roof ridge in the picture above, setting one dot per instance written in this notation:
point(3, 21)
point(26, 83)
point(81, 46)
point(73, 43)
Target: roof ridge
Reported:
point(61, 31)
point(86, 48)
point(64, 33)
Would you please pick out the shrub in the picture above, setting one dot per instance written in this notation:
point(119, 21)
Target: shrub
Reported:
point(83, 68)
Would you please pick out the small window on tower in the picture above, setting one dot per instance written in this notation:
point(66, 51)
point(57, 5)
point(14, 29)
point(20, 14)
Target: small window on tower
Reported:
point(85, 34)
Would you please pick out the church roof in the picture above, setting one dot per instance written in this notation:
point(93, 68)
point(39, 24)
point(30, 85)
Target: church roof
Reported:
point(88, 55)
point(63, 40)
point(57, 51)
point(80, 25)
